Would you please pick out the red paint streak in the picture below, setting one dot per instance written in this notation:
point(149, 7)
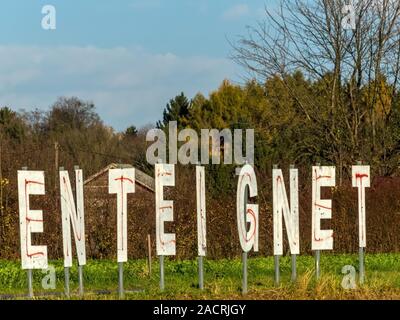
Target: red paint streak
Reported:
point(253, 215)
point(33, 182)
point(71, 211)
point(166, 207)
point(243, 232)
point(251, 212)
point(321, 239)
point(278, 180)
point(166, 242)
point(163, 174)
point(320, 206)
point(29, 220)
point(323, 177)
point(202, 218)
point(163, 243)
point(33, 220)
point(247, 175)
point(122, 179)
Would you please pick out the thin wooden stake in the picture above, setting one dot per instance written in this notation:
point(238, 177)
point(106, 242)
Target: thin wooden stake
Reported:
point(149, 253)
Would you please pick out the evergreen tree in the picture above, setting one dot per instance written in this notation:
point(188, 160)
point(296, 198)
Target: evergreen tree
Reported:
point(176, 110)
point(131, 131)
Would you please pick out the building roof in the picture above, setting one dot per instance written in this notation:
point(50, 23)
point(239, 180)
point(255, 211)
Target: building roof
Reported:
point(141, 178)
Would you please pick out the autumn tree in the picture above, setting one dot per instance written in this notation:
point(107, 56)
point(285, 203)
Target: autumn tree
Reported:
point(11, 124)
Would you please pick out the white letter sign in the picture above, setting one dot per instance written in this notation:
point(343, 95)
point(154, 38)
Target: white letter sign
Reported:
point(164, 176)
point(75, 214)
point(31, 221)
point(247, 213)
point(361, 180)
point(290, 214)
point(321, 209)
point(122, 182)
point(201, 210)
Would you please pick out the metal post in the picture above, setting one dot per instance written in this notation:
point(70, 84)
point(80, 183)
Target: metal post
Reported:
point(362, 270)
point(121, 292)
point(244, 284)
point(161, 273)
point(317, 260)
point(277, 275)
point(66, 274)
point(80, 278)
point(294, 272)
point(29, 271)
point(201, 273)
point(30, 283)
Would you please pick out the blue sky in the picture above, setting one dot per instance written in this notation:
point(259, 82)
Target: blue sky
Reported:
point(128, 56)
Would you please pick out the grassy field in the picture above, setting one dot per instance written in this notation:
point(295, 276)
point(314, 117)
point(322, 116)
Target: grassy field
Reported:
point(222, 279)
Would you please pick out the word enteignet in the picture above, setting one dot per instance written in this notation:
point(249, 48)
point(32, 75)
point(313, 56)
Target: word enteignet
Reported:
point(122, 182)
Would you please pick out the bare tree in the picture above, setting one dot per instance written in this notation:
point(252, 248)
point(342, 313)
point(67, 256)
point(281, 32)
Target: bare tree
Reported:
point(351, 49)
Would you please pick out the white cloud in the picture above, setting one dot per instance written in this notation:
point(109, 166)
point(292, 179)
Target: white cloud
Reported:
point(128, 85)
point(236, 12)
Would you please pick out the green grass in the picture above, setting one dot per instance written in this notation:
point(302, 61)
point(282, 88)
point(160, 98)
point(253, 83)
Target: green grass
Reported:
point(222, 279)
